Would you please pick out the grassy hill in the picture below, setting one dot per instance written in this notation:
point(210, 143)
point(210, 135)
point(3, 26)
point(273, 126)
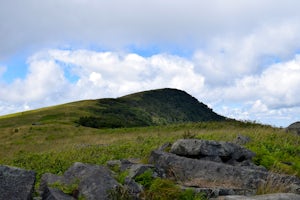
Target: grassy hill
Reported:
point(50, 140)
point(154, 107)
point(36, 130)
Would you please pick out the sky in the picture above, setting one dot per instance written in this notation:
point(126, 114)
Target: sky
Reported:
point(241, 58)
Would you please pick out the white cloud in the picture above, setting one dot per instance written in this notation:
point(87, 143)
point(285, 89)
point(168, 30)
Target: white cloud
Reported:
point(100, 74)
point(270, 97)
point(119, 74)
point(276, 86)
point(233, 57)
point(44, 80)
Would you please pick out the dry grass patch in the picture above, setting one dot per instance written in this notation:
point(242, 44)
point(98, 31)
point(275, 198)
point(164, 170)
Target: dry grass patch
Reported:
point(275, 184)
point(206, 183)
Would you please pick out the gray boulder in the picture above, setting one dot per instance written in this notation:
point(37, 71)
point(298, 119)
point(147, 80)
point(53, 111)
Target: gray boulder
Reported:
point(55, 194)
point(186, 169)
point(47, 180)
point(278, 196)
point(216, 192)
point(138, 169)
point(16, 183)
point(134, 189)
point(211, 150)
point(94, 182)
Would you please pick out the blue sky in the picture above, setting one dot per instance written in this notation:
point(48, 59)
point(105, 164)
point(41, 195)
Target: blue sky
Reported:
point(239, 57)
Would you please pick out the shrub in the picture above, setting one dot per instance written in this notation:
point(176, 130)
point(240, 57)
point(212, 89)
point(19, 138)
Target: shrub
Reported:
point(122, 176)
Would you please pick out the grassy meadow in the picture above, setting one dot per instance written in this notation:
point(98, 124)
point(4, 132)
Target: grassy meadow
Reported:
point(53, 148)
point(51, 140)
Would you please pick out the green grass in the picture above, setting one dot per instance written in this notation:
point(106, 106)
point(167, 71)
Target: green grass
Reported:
point(155, 107)
point(50, 148)
point(55, 142)
point(50, 139)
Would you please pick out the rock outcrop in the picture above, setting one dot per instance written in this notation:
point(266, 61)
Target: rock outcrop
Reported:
point(278, 196)
point(223, 165)
point(93, 181)
point(15, 183)
point(223, 152)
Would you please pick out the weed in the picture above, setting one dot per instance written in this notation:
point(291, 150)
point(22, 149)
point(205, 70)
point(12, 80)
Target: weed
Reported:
point(145, 179)
point(70, 189)
point(122, 176)
point(189, 194)
point(164, 189)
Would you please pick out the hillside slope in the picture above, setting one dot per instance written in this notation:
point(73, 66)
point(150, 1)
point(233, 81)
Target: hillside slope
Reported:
point(154, 107)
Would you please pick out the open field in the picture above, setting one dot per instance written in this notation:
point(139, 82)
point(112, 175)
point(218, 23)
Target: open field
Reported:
point(53, 148)
point(51, 139)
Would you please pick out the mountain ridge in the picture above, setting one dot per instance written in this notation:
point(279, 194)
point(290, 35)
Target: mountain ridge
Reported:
point(152, 107)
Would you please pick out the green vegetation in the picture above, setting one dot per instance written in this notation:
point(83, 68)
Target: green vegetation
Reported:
point(160, 189)
point(146, 179)
point(71, 189)
point(50, 139)
point(54, 149)
point(156, 107)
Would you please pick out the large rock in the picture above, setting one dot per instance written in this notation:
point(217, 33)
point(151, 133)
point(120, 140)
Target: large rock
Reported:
point(94, 182)
point(55, 194)
point(211, 150)
point(138, 169)
point(119, 165)
point(216, 192)
point(186, 169)
point(133, 188)
point(278, 196)
point(15, 183)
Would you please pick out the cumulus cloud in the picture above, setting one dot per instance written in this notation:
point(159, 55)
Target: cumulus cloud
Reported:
point(269, 97)
point(100, 74)
point(276, 86)
point(44, 80)
point(229, 58)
